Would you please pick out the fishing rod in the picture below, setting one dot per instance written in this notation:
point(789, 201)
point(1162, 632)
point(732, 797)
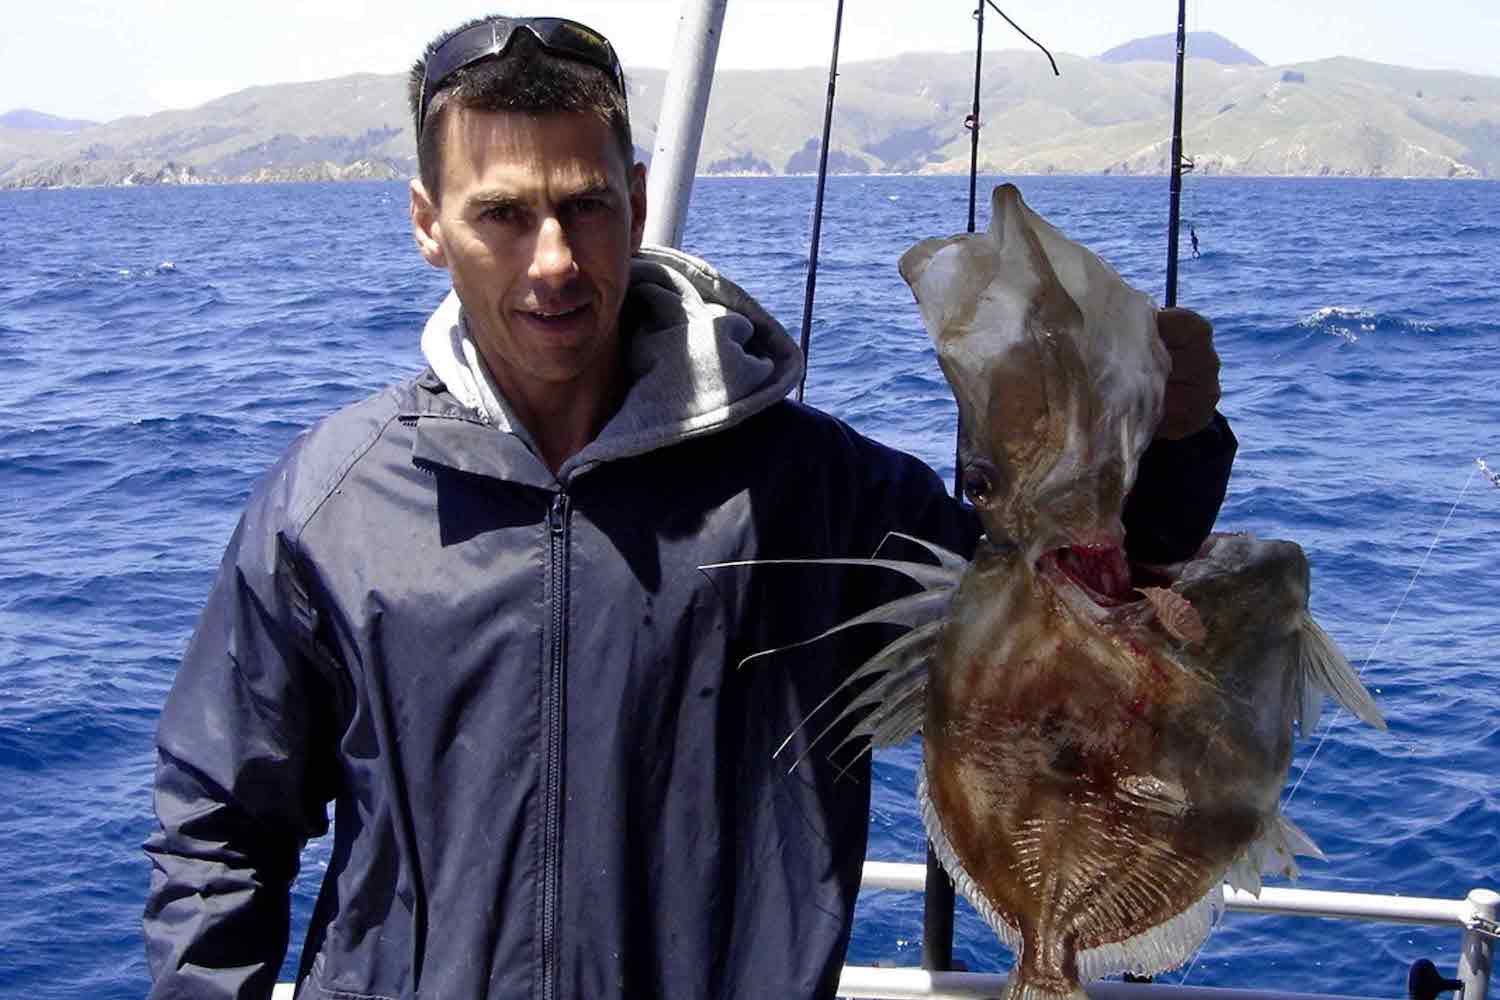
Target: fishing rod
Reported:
point(972, 122)
point(817, 220)
point(1174, 214)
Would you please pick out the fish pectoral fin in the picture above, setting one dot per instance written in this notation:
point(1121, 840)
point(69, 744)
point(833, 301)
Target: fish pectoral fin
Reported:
point(1296, 839)
point(1323, 668)
point(1176, 614)
point(1147, 791)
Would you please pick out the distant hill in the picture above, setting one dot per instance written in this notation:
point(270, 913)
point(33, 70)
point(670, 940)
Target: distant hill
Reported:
point(27, 119)
point(1332, 117)
point(1208, 45)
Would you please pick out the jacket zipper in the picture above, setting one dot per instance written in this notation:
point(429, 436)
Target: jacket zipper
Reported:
point(552, 725)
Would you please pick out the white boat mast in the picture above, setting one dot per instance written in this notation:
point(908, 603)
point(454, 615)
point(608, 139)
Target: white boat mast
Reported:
point(679, 132)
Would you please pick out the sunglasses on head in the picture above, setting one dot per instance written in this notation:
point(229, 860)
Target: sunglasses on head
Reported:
point(490, 39)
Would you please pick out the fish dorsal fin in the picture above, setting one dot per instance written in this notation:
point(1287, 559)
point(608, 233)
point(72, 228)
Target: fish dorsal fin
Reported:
point(946, 559)
point(925, 575)
point(915, 609)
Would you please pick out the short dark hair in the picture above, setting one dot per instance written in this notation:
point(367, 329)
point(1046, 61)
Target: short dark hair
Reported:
point(526, 79)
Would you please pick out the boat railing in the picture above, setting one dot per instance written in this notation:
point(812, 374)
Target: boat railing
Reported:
point(1477, 917)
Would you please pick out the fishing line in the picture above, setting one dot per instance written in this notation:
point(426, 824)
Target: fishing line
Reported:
point(1190, 190)
point(1339, 713)
point(1023, 34)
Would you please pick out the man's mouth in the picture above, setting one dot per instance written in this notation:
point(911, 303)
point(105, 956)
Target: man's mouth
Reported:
point(554, 315)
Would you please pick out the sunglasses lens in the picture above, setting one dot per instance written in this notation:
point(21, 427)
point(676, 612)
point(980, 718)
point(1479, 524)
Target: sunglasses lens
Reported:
point(569, 38)
point(562, 37)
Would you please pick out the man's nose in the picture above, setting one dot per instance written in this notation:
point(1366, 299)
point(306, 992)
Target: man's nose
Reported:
point(552, 259)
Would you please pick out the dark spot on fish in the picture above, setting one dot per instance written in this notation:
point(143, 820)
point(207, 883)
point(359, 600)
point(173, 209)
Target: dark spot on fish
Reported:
point(1050, 725)
point(1068, 759)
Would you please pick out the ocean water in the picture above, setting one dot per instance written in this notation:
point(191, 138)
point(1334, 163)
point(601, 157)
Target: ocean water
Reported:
point(161, 346)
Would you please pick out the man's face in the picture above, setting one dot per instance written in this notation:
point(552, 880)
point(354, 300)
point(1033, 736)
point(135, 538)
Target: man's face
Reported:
point(539, 216)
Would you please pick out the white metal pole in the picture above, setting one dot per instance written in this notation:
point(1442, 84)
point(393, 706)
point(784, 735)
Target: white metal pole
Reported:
point(1479, 948)
point(909, 877)
point(920, 984)
point(679, 132)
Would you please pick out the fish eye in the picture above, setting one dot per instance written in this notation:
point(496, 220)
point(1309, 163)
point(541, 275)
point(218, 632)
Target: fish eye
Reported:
point(979, 484)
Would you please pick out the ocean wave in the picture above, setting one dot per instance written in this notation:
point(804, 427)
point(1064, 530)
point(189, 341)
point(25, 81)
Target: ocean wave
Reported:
point(1351, 323)
point(1480, 233)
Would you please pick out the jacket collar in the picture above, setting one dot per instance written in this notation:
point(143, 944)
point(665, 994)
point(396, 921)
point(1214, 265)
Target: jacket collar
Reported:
point(465, 444)
point(702, 356)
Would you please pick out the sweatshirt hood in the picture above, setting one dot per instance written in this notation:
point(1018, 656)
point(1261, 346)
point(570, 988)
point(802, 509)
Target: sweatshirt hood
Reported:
point(701, 355)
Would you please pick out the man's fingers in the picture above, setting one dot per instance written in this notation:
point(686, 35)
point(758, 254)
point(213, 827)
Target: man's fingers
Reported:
point(1193, 386)
point(1180, 327)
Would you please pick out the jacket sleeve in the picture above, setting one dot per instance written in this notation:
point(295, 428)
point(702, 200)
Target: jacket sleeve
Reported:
point(242, 779)
point(888, 491)
point(1178, 490)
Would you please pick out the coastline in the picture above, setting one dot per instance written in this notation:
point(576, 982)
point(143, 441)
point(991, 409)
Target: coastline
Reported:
point(176, 175)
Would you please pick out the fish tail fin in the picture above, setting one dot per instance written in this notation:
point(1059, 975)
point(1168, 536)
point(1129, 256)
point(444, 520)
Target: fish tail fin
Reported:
point(1323, 668)
point(1016, 988)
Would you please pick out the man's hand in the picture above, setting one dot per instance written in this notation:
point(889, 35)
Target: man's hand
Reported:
point(1193, 385)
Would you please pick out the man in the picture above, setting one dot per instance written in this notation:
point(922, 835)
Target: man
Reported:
point(467, 610)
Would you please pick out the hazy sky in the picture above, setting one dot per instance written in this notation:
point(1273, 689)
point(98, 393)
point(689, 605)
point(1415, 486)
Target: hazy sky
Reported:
point(101, 59)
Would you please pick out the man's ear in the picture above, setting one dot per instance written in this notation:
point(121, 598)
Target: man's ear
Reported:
point(637, 205)
point(425, 225)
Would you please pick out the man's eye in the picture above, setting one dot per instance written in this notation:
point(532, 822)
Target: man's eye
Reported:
point(585, 207)
point(505, 214)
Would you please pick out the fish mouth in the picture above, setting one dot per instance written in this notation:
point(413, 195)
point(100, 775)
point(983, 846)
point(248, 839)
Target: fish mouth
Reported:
point(1102, 573)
